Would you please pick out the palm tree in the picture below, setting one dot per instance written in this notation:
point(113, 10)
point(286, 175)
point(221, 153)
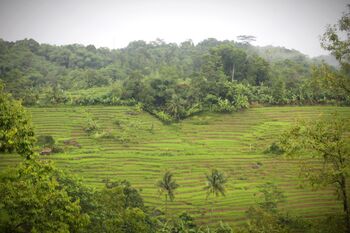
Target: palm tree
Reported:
point(167, 185)
point(174, 106)
point(215, 185)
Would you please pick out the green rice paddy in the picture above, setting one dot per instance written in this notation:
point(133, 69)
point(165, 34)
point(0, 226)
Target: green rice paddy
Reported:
point(141, 148)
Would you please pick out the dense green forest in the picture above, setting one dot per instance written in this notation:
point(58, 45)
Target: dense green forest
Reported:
point(168, 80)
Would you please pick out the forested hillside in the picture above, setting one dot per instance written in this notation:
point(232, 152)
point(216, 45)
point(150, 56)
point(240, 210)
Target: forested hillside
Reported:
point(168, 80)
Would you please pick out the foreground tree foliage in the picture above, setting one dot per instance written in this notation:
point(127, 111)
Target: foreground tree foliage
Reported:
point(32, 199)
point(120, 208)
point(16, 132)
point(336, 39)
point(327, 140)
point(37, 197)
point(267, 217)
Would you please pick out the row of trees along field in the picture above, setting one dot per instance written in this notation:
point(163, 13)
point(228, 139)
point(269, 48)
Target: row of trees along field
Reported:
point(35, 196)
point(175, 81)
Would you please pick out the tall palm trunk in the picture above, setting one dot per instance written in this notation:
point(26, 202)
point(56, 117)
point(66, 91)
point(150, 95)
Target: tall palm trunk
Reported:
point(213, 204)
point(211, 208)
point(166, 205)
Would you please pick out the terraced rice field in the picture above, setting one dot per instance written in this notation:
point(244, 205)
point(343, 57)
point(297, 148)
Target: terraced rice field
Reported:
point(145, 148)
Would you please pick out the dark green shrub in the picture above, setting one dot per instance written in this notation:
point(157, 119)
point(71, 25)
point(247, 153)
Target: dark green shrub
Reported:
point(91, 126)
point(45, 141)
point(275, 149)
point(57, 149)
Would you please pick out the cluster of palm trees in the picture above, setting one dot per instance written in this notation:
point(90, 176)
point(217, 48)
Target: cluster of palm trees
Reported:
point(215, 186)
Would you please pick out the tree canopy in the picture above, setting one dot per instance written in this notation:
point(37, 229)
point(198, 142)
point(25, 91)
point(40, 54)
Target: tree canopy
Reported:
point(16, 132)
point(171, 81)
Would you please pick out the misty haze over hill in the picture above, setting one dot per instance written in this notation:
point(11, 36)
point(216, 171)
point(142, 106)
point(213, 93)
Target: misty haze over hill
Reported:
point(294, 24)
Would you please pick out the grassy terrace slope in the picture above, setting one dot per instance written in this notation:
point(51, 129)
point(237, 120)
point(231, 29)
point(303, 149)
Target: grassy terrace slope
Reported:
point(231, 142)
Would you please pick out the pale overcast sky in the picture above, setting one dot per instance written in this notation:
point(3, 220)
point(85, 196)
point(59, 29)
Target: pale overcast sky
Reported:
point(295, 24)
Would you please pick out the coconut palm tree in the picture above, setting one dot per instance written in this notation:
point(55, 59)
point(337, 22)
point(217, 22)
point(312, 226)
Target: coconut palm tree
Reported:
point(175, 107)
point(215, 185)
point(167, 186)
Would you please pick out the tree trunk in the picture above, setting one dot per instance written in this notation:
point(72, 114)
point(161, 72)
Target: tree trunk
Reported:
point(212, 208)
point(166, 205)
point(233, 73)
point(345, 203)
